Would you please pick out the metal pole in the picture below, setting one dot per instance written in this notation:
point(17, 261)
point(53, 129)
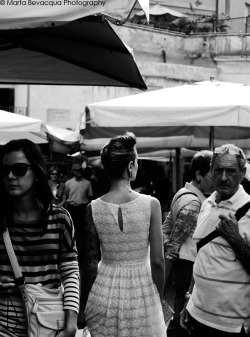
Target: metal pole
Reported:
point(216, 15)
point(177, 160)
point(211, 138)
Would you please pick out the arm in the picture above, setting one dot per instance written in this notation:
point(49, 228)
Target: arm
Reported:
point(69, 273)
point(156, 247)
point(63, 195)
point(185, 225)
point(91, 250)
point(90, 192)
point(184, 315)
point(167, 228)
point(229, 230)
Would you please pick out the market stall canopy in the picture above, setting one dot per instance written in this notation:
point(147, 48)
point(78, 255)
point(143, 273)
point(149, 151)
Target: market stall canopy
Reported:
point(166, 13)
point(86, 51)
point(16, 123)
point(14, 126)
point(181, 116)
point(62, 140)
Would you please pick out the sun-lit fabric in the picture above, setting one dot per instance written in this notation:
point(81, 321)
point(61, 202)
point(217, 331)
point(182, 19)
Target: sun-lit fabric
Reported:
point(45, 255)
point(124, 301)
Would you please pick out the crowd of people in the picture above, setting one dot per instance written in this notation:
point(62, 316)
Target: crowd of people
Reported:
point(113, 253)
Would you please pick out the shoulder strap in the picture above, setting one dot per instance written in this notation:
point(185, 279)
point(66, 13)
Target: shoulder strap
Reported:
point(238, 214)
point(184, 194)
point(12, 256)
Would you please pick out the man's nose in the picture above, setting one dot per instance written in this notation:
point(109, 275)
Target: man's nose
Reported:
point(224, 175)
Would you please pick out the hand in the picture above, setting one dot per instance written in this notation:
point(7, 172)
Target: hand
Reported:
point(228, 228)
point(185, 320)
point(67, 332)
point(7, 286)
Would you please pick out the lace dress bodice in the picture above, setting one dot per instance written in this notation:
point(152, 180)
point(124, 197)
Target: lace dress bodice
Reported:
point(131, 244)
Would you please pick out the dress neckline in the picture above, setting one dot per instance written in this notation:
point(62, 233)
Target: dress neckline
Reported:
point(125, 203)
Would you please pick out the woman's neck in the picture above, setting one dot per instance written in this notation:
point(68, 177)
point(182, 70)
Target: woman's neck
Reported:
point(121, 185)
point(26, 209)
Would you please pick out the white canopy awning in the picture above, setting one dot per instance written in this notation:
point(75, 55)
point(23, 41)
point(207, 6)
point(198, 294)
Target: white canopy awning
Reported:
point(16, 123)
point(14, 126)
point(181, 116)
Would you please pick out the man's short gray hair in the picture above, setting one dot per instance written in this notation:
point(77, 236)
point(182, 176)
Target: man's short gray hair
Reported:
point(231, 149)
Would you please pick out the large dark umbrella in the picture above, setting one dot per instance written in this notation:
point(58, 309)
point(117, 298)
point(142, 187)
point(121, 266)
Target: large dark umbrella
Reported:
point(82, 52)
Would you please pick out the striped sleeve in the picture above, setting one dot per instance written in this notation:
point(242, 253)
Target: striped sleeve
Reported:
point(68, 266)
point(69, 272)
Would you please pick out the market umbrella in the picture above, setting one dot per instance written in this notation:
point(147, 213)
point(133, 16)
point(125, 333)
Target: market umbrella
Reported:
point(198, 115)
point(160, 14)
point(14, 126)
point(85, 51)
point(82, 52)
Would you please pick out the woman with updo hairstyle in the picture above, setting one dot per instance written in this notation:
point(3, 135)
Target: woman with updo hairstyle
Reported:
point(126, 286)
point(116, 154)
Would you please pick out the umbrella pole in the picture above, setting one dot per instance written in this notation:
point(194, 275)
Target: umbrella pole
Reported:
point(211, 138)
point(177, 159)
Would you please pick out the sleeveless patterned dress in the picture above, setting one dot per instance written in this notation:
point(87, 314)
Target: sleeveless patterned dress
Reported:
point(124, 301)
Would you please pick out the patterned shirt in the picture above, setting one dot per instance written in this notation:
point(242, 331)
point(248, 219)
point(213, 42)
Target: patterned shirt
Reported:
point(46, 255)
point(180, 223)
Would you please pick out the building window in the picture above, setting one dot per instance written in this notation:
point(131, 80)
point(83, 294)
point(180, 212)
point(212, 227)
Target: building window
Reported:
point(7, 99)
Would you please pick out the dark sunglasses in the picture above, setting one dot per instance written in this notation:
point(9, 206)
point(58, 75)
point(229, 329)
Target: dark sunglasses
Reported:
point(54, 174)
point(18, 169)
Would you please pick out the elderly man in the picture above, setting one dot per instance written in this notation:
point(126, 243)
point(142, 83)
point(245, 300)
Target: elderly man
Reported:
point(219, 305)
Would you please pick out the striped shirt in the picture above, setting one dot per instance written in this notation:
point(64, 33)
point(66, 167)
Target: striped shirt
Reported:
point(46, 255)
point(221, 295)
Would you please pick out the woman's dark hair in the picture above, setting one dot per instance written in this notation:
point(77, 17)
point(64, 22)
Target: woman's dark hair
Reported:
point(42, 190)
point(201, 162)
point(117, 154)
point(55, 168)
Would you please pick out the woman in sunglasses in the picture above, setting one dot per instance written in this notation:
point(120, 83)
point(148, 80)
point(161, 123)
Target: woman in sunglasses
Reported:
point(57, 187)
point(42, 235)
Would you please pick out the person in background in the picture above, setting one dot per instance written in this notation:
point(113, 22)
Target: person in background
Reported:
point(219, 305)
point(42, 235)
point(178, 228)
point(126, 293)
point(56, 186)
point(78, 194)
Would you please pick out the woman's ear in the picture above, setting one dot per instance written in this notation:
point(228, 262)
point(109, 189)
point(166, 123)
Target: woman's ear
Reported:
point(198, 176)
point(130, 165)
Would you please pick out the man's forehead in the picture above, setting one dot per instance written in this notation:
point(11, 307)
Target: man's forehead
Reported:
point(226, 160)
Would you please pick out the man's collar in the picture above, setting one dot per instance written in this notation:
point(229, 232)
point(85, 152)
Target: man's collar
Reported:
point(231, 200)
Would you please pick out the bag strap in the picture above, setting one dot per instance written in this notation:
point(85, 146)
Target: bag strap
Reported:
point(19, 279)
point(184, 194)
point(214, 234)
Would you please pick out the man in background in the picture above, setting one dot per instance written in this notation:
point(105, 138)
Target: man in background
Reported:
point(78, 195)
